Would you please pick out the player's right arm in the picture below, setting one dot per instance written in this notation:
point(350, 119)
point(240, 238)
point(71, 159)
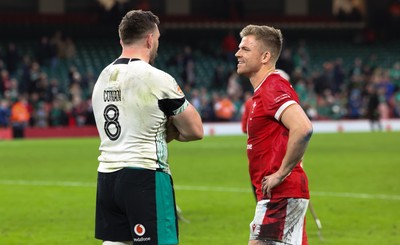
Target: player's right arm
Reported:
point(188, 124)
point(300, 131)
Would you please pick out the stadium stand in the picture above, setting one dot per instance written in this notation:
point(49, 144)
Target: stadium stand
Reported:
point(320, 57)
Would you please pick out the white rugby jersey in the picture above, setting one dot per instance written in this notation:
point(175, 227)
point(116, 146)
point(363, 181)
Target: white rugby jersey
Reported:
point(131, 103)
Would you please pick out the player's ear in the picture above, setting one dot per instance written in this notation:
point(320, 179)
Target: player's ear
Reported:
point(149, 40)
point(266, 56)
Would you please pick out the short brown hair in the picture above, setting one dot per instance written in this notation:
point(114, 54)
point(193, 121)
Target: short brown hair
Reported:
point(271, 38)
point(136, 24)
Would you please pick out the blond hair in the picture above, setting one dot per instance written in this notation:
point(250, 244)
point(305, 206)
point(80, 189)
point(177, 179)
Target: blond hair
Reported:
point(270, 37)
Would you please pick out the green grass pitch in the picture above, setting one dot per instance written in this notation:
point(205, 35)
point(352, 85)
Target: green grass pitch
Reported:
point(47, 190)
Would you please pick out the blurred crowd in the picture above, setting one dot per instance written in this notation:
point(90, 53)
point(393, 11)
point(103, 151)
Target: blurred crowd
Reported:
point(363, 89)
point(30, 97)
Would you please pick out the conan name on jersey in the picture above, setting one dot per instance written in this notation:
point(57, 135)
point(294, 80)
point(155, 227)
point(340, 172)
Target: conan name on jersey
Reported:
point(112, 95)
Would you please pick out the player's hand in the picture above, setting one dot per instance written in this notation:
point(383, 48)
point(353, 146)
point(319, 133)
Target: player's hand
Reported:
point(172, 131)
point(269, 182)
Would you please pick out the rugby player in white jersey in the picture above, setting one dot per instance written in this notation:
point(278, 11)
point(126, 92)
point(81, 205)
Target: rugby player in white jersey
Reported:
point(138, 109)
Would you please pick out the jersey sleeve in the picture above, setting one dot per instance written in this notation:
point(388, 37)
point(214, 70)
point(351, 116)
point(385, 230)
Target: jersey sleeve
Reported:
point(171, 100)
point(278, 96)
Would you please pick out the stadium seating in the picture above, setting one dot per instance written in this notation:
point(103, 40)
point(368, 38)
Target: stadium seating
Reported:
point(94, 54)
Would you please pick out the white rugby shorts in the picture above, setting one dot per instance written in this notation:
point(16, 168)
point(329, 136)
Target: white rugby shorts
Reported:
point(280, 221)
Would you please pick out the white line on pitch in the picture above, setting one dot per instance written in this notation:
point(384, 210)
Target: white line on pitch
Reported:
point(47, 183)
point(201, 188)
point(357, 195)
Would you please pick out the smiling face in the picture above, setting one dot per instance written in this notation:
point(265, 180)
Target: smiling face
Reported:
point(251, 56)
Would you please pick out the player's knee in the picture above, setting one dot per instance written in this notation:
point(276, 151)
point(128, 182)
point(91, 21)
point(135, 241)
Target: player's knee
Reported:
point(260, 242)
point(117, 243)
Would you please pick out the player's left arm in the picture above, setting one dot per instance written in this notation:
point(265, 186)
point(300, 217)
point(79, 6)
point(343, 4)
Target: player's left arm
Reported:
point(300, 131)
point(188, 124)
point(172, 131)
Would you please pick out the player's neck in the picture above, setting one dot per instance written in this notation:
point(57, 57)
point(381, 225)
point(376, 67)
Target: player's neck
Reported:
point(135, 53)
point(260, 76)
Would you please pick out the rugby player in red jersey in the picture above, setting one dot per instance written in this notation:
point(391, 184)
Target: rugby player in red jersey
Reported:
point(278, 134)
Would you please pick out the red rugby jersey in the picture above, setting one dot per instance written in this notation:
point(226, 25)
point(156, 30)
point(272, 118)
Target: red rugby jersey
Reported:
point(268, 138)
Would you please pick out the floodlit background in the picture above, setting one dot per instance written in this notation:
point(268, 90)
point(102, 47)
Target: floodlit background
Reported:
point(342, 56)
point(343, 59)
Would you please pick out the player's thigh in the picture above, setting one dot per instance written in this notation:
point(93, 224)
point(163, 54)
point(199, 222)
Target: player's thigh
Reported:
point(150, 206)
point(111, 222)
point(256, 242)
point(253, 242)
point(117, 243)
point(278, 221)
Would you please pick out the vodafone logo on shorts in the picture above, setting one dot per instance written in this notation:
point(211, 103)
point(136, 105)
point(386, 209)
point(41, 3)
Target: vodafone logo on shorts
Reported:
point(139, 230)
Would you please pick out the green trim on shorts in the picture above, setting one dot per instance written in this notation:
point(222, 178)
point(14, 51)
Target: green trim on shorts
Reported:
point(166, 217)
